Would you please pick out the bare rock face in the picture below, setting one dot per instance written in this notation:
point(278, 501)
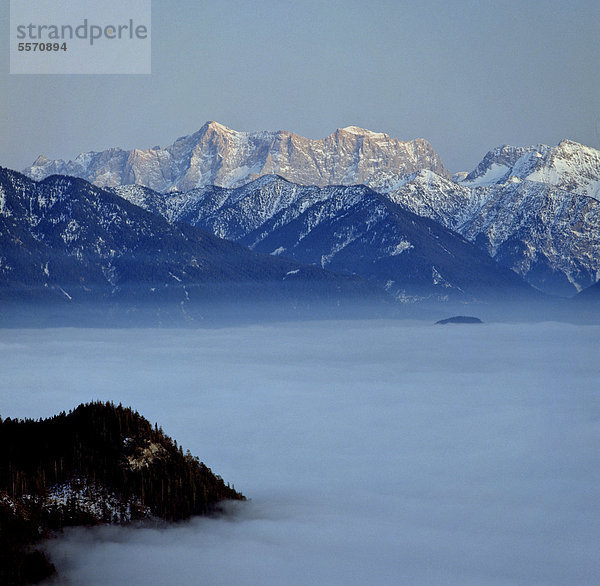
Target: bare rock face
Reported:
point(217, 155)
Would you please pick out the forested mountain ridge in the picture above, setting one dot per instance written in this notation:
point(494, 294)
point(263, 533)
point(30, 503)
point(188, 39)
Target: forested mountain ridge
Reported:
point(100, 463)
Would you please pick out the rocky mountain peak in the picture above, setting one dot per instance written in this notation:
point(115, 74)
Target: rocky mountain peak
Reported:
point(535, 209)
point(496, 166)
point(41, 160)
point(568, 165)
point(218, 155)
point(217, 127)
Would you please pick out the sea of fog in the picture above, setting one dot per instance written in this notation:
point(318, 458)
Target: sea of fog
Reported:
point(373, 452)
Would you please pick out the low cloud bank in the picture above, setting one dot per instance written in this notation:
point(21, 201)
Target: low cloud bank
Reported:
point(373, 451)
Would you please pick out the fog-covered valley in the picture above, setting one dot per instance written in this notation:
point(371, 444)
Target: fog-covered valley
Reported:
point(372, 451)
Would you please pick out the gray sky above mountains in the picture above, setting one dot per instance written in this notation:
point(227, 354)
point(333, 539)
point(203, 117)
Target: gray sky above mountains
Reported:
point(467, 76)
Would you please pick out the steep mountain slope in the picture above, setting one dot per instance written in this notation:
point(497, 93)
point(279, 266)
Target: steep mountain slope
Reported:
point(549, 236)
point(351, 229)
point(227, 213)
point(66, 237)
point(429, 195)
point(534, 209)
point(217, 155)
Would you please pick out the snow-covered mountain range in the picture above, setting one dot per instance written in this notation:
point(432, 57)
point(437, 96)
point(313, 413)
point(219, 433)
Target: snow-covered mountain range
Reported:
point(569, 166)
point(217, 155)
point(534, 209)
point(63, 238)
point(350, 229)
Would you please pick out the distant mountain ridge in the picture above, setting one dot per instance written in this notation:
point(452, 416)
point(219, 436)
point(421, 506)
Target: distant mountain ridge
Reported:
point(217, 155)
point(350, 229)
point(569, 166)
point(63, 238)
point(536, 210)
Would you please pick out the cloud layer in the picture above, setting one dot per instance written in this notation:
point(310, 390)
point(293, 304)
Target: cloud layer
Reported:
point(372, 451)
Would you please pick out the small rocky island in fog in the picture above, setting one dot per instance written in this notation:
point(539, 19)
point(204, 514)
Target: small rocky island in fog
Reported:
point(459, 319)
point(100, 463)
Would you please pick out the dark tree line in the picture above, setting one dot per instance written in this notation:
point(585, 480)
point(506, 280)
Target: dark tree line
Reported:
point(94, 445)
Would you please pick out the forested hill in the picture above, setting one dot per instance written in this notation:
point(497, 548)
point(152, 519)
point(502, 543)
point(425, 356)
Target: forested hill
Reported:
point(100, 463)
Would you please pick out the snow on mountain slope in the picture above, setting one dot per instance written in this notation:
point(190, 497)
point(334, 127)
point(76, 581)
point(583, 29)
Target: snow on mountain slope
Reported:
point(548, 235)
point(572, 167)
point(229, 213)
point(569, 165)
point(234, 213)
point(534, 209)
point(351, 229)
point(496, 166)
point(427, 194)
point(357, 230)
point(65, 238)
point(217, 155)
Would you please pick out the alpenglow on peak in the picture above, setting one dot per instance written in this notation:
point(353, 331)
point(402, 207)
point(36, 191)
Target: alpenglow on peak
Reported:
point(218, 155)
point(364, 132)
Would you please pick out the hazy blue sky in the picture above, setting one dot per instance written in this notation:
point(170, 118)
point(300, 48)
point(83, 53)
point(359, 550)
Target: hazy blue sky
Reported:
point(466, 75)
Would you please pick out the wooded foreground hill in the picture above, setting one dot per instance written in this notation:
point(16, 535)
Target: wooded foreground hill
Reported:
point(100, 463)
